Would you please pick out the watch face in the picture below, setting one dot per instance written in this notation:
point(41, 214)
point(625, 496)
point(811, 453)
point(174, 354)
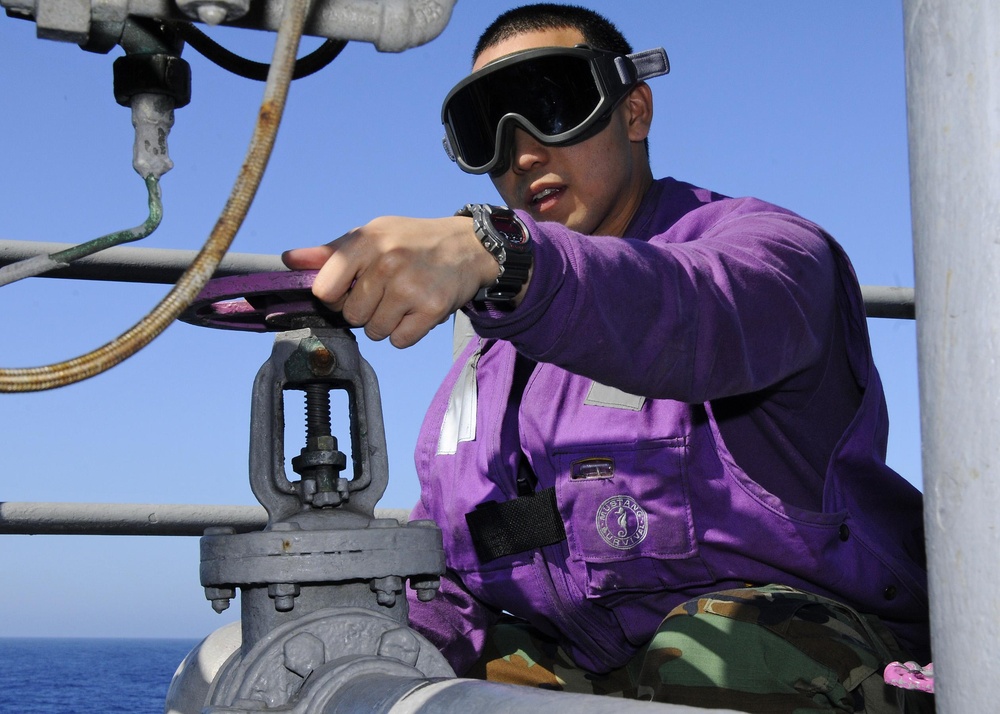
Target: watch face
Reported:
point(510, 227)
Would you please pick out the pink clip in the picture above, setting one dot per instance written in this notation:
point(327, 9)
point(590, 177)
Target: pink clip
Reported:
point(910, 675)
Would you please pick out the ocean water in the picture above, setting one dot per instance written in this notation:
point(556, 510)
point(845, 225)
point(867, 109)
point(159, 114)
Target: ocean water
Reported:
point(87, 676)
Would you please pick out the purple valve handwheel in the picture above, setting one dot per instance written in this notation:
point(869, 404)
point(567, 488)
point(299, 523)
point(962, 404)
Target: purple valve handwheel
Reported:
point(262, 302)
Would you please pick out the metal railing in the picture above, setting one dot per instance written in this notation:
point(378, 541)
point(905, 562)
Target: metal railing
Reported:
point(160, 265)
point(149, 265)
point(952, 53)
point(165, 266)
point(154, 519)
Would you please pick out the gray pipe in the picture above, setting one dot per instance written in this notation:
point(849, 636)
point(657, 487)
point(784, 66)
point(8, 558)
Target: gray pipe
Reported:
point(160, 265)
point(952, 70)
point(134, 265)
point(391, 25)
point(28, 518)
point(380, 694)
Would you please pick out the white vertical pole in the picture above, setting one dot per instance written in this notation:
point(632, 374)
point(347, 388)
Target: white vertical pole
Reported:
point(953, 99)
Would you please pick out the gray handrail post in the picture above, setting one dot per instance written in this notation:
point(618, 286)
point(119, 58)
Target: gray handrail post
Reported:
point(952, 70)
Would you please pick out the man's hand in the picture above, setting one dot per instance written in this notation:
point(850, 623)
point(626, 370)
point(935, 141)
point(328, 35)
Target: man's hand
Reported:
point(399, 277)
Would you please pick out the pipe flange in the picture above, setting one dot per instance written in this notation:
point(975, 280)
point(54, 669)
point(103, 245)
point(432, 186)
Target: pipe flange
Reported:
point(325, 649)
point(321, 556)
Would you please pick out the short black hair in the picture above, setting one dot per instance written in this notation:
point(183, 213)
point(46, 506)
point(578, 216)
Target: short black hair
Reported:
point(598, 31)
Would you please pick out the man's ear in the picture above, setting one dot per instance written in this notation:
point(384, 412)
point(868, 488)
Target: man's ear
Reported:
point(639, 112)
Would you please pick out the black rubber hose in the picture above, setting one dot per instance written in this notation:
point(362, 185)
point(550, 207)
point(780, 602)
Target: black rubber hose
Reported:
point(249, 69)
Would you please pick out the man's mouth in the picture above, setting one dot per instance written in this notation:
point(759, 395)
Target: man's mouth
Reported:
point(545, 197)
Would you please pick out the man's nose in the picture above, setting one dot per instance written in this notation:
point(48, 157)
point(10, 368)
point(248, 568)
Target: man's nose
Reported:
point(527, 151)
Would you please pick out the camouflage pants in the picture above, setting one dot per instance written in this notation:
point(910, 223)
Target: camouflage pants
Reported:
point(767, 649)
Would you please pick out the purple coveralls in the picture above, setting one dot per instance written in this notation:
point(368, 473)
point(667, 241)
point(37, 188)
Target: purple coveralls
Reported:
point(706, 407)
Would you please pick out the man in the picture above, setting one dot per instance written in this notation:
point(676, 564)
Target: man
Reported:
point(659, 468)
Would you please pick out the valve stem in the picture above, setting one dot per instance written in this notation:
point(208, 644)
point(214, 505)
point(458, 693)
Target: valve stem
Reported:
point(320, 461)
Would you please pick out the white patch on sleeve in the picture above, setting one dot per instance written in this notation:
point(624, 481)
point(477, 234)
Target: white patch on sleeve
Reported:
point(460, 418)
point(601, 395)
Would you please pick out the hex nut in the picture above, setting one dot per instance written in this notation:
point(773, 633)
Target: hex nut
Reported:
point(386, 589)
point(220, 597)
point(322, 499)
point(303, 653)
point(427, 587)
point(399, 644)
point(284, 595)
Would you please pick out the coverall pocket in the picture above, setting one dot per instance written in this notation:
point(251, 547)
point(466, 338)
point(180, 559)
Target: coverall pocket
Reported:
point(628, 518)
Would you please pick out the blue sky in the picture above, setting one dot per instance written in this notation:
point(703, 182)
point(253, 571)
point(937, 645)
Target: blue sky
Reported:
point(801, 104)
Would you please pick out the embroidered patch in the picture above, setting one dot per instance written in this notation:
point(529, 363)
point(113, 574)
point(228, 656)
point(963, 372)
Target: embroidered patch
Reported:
point(622, 522)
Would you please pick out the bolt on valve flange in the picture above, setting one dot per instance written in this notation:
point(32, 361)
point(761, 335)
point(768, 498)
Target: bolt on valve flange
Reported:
point(285, 559)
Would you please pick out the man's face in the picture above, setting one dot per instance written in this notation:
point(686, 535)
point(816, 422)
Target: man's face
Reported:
point(593, 187)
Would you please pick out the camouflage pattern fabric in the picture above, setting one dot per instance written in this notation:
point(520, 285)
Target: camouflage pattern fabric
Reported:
point(768, 649)
point(516, 653)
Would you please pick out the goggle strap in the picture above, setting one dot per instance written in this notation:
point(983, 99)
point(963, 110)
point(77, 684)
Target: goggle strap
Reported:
point(646, 64)
point(447, 147)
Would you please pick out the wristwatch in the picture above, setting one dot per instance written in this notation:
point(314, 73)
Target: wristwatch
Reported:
point(506, 238)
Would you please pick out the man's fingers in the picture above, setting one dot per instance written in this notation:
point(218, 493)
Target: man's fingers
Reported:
point(306, 258)
point(402, 321)
point(398, 277)
point(335, 278)
point(362, 301)
point(404, 332)
point(411, 329)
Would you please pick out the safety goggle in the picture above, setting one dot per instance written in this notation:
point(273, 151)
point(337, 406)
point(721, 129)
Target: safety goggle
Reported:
point(560, 95)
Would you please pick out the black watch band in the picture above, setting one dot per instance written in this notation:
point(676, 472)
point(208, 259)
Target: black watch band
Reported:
point(506, 238)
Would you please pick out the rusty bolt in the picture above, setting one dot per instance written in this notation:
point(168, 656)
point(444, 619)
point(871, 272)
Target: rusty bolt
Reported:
point(321, 360)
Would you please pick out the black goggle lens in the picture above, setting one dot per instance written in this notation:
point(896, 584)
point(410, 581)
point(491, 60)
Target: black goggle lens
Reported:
point(555, 94)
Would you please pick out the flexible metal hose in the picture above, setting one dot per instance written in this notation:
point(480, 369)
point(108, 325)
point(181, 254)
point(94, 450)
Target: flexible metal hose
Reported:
point(39, 264)
point(33, 379)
